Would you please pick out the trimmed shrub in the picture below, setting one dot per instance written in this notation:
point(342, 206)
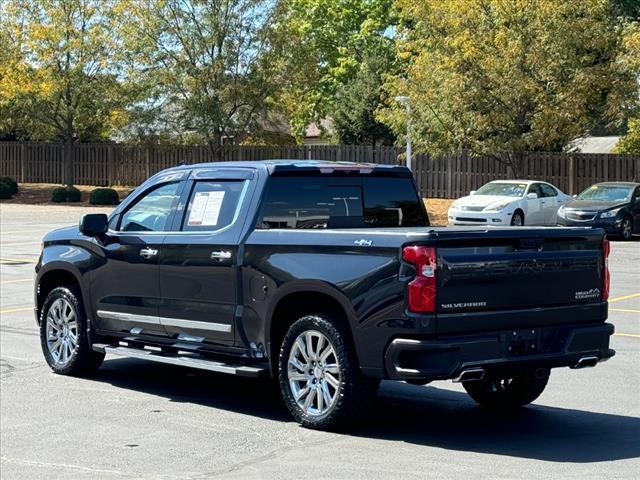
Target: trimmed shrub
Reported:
point(59, 195)
point(73, 194)
point(65, 194)
point(104, 196)
point(11, 182)
point(5, 190)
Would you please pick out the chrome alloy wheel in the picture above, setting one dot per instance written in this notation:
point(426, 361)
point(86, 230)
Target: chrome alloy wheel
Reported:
point(626, 229)
point(516, 220)
point(62, 331)
point(313, 373)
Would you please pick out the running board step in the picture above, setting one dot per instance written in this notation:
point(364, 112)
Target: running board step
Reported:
point(183, 360)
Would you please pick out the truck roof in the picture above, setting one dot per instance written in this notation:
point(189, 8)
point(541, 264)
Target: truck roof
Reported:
point(294, 165)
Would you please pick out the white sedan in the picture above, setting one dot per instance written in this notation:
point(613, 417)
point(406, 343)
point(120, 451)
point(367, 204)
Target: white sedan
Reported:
point(509, 202)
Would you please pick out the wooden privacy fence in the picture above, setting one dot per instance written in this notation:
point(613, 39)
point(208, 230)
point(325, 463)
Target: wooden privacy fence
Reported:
point(455, 175)
point(444, 176)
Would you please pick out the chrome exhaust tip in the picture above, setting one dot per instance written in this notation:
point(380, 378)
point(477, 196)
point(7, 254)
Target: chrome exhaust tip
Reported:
point(586, 362)
point(470, 375)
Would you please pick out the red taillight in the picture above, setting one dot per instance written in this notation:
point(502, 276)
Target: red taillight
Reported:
point(421, 294)
point(606, 277)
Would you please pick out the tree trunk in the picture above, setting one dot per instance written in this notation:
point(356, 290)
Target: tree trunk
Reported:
point(216, 148)
point(514, 164)
point(68, 170)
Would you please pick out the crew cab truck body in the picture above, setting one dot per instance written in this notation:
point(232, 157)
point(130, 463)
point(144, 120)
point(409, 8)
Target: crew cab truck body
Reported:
point(326, 276)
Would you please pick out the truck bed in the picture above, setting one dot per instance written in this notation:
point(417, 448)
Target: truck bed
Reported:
point(488, 279)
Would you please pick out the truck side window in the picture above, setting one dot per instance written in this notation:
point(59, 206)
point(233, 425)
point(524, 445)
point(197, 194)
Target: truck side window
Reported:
point(152, 211)
point(212, 205)
point(113, 223)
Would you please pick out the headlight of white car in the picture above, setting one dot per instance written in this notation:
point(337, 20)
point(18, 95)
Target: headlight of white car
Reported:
point(609, 213)
point(496, 207)
point(561, 213)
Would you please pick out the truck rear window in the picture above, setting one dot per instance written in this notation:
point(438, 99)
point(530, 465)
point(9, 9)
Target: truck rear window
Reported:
point(303, 202)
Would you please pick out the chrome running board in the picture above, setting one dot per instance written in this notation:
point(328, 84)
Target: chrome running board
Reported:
point(183, 359)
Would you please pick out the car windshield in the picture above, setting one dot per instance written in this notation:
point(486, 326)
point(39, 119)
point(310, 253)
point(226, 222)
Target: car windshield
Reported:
point(503, 189)
point(606, 193)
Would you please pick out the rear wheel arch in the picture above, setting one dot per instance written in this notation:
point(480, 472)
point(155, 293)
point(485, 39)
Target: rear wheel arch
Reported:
point(296, 303)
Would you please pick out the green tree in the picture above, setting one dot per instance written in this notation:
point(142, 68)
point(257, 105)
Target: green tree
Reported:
point(323, 46)
point(630, 143)
point(629, 60)
point(206, 63)
point(60, 82)
point(353, 110)
point(495, 76)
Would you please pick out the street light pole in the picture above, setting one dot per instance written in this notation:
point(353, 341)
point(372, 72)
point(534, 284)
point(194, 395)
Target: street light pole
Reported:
point(404, 100)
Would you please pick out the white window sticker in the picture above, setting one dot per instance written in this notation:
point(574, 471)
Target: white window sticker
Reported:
point(205, 209)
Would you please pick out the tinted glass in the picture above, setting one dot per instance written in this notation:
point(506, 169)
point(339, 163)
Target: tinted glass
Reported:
point(325, 202)
point(113, 223)
point(548, 190)
point(607, 193)
point(152, 212)
point(212, 205)
point(502, 189)
point(535, 188)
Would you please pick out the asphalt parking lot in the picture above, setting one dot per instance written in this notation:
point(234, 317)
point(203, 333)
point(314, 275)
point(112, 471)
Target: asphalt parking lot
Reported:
point(143, 420)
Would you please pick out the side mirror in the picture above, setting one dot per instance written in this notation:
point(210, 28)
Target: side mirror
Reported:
point(532, 195)
point(575, 195)
point(93, 224)
point(472, 192)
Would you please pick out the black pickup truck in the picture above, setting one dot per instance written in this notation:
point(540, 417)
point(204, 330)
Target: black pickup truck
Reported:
point(326, 276)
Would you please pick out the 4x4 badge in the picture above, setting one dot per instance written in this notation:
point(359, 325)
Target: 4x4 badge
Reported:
point(363, 243)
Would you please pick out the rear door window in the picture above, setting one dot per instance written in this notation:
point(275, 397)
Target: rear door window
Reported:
point(213, 205)
point(535, 188)
point(548, 190)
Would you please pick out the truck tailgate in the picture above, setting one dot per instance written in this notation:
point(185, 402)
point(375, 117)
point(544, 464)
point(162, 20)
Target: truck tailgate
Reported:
point(520, 277)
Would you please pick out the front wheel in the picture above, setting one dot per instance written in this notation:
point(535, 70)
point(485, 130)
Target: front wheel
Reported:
point(626, 229)
point(63, 335)
point(517, 219)
point(319, 377)
point(508, 390)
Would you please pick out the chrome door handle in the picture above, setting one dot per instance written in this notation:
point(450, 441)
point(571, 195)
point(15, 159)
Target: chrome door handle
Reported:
point(148, 252)
point(221, 255)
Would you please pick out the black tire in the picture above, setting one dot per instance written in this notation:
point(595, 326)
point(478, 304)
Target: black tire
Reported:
point(517, 219)
point(83, 360)
point(626, 229)
point(508, 390)
point(355, 392)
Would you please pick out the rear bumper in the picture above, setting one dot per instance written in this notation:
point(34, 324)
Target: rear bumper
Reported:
point(447, 357)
